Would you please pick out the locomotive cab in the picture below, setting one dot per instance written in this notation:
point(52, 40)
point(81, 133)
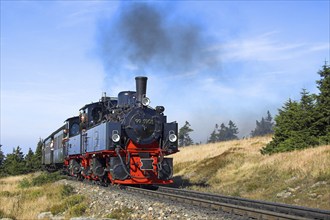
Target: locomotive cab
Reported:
point(94, 113)
point(90, 115)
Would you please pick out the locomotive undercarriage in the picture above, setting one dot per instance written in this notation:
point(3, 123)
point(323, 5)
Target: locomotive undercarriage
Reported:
point(53, 167)
point(131, 166)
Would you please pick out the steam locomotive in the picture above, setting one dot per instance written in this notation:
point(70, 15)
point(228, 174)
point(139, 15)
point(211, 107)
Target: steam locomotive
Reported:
point(118, 140)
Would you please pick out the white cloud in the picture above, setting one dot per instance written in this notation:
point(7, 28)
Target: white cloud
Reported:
point(266, 47)
point(85, 12)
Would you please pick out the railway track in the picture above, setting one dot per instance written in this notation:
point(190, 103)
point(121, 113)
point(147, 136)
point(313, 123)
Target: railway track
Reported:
point(241, 207)
point(246, 208)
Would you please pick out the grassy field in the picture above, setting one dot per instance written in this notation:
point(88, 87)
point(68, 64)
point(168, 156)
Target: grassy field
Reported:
point(232, 168)
point(24, 197)
point(237, 168)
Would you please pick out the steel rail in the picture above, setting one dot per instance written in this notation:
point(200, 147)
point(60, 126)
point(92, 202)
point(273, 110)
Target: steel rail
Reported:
point(292, 210)
point(248, 208)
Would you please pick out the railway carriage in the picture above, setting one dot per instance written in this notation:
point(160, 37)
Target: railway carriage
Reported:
point(53, 151)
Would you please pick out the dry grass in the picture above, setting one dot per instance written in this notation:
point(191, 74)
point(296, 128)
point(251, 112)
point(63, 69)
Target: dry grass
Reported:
point(24, 203)
point(27, 202)
point(237, 168)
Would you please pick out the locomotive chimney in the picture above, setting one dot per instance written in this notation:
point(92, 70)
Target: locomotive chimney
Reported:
point(141, 88)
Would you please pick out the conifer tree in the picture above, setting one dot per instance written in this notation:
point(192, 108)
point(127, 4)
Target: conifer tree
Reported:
point(2, 157)
point(264, 127)
point(228, 133)
point(283, 127)
point(232, 131)
point(223, 132)
point(214, 136)
point(38, 156)
point(14, 163)
point(307, 111)
point(294, 126)
point(306, 123)
point(29, 161)
point(184, 138)
point(2, 160)
point(322, 122)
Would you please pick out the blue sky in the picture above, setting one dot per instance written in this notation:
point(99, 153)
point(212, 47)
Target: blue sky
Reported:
point(247, 57)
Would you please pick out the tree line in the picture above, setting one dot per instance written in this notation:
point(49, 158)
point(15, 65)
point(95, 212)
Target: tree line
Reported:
point(16, 163)
point(304, 123)
point(227, 132)
point(298, 124)
point(223, 133)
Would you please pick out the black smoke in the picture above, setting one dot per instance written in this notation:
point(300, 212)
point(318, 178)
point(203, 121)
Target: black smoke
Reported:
point(149, 37)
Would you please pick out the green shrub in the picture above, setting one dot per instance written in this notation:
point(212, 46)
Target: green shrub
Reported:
point(36, 194)
point(323, 176)
point(40, 180)
point(72, 203)
point(74, 200)
point(78, 210)
point(120, 213)
point(32, 194)
point(45, 178)
point(58, 208)
point(66, 190)
point(6, 194)
point(24, 183)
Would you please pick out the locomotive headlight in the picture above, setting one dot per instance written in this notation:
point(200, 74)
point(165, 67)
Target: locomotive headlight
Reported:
point(145, 101)
point(115, 136)
point(172, 137)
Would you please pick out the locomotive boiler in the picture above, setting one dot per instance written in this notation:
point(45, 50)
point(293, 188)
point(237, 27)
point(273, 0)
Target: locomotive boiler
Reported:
point(119, 140)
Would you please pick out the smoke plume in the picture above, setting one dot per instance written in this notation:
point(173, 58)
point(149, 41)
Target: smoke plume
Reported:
point(142, 36)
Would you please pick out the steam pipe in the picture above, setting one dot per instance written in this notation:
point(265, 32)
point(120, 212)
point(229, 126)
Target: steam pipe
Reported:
point(141, 88)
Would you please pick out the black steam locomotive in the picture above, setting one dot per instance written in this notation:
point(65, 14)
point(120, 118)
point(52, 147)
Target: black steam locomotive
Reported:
point(115, 140)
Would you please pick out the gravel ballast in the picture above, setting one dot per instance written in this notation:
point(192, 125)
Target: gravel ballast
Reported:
point(112, 201)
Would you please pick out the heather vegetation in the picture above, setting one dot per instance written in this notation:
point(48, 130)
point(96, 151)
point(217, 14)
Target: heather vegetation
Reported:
point(237, 168)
